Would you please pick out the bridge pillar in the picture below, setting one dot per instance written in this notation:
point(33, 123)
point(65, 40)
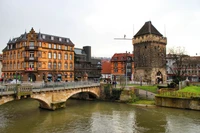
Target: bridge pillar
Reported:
point(58, 105)
point(53, 106)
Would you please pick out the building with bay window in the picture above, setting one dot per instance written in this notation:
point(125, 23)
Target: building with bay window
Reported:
point(37, 57)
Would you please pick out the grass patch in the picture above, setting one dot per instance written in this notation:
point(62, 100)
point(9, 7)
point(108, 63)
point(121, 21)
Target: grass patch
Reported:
point(193, 89)
point(148, 88)
point(146, 102)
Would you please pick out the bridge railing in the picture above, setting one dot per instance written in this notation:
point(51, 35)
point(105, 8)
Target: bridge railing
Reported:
point(41, 86)
point(63, 85)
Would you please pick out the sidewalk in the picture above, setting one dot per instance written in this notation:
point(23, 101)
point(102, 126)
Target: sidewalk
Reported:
point(146, 94)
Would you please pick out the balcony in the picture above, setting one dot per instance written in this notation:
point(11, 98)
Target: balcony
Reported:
point(30, 59)
point(29, 69)
point(31, 48)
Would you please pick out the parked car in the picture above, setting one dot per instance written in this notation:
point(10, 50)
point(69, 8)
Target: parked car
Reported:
point(14, 81)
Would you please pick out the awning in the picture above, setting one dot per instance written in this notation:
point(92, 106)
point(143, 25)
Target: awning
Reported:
point(49, 75)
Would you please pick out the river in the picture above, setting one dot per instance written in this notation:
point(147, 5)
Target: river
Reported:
point(24, 116)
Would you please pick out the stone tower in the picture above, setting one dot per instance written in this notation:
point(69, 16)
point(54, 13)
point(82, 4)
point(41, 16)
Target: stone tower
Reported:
point(149, 54)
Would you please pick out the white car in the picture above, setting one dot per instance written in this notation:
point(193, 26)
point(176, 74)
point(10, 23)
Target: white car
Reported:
point(14, 81)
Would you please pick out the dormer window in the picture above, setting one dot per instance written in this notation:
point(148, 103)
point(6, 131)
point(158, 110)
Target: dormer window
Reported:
point(60, 39)
point(43, 36)
point(52, 37)
point(67, 40)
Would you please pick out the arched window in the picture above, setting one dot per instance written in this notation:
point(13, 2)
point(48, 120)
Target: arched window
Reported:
point(49, 55)
point(49, 65)
point(66, 66)
point(54, 55)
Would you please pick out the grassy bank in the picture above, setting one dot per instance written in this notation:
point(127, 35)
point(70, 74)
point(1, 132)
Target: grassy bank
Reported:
point(193, 89)
point(149, 88)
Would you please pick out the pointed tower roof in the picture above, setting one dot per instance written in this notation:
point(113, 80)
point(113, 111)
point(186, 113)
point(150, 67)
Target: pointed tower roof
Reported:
point(39, 36)
point(148, 28)
point(24, 36)
point(9, 41)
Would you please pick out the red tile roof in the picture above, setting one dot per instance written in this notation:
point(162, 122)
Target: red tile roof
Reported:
point(106, 67)
point(120, 56)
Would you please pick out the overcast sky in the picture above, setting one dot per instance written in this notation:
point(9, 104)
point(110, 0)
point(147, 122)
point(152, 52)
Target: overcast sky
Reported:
point(96, 23)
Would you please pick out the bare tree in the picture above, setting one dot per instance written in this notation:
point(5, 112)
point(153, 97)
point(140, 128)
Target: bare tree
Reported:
point(180, 62)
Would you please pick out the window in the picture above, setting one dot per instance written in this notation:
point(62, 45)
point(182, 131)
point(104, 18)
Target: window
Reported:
point(54, 55)
point(59, 47)
point(59, 65)
point(43, 36)
point(40, 44)
point(18, 54)
point(70, 75)
point(39, 64)
point(66, 57)
point(24, 64)
point(70, 57)
point(60, 39)
point(54, 65)
point(23, 54)
point(115, 64)
point(49, 45)
point(66, 66)
point(24, 43)
point(115, 70)
point(15, 65)
point(49, 55)
point(39, 54)
point(65, 47)
point(54, 46)
point(49, 65)
point(31, 44)
point(52, 38)
point(71, 66)
point(59, 56)
point(71, 48)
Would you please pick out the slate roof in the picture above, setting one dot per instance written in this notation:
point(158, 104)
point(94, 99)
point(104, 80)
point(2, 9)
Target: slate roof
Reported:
point(56, 39)
point(148, 28)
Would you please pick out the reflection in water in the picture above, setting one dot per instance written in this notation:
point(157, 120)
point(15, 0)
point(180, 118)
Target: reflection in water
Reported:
point(95, 117)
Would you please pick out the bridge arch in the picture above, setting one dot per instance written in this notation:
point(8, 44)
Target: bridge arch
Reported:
point(53, 99)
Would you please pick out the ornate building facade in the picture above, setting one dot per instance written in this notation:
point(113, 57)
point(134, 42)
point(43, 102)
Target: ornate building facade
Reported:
point(149, 54)
point(37, 56)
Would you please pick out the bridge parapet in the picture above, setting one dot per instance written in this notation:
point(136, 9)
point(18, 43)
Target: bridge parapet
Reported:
point(51, 96)
point(24, 90)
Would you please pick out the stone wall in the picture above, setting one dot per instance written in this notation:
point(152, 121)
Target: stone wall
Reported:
point(183, 103)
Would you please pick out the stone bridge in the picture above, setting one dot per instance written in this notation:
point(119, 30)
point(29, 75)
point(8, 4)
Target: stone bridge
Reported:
point(50, 98)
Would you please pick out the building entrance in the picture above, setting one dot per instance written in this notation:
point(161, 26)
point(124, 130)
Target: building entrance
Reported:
point(31, 77)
